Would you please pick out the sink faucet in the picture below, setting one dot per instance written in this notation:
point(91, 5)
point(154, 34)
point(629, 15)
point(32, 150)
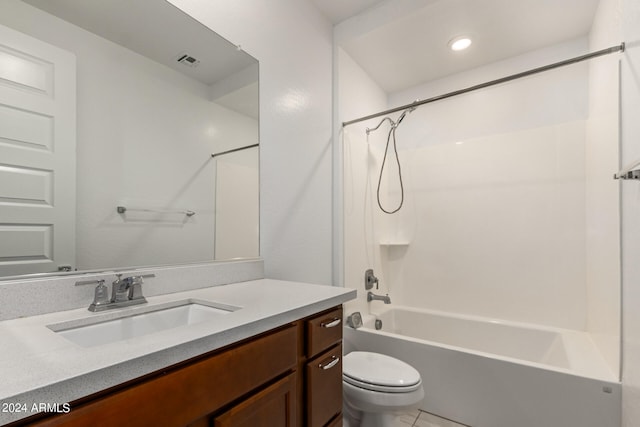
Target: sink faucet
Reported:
point(128, 289)
point(124, 292)
point(373, 297)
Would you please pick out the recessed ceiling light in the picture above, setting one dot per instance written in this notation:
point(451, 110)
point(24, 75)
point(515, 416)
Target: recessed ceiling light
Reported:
point(459, 43)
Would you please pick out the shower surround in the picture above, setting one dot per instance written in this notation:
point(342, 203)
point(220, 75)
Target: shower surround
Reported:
point(510, 211)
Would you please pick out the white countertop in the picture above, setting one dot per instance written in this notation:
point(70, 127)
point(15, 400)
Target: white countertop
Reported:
point(39, 366)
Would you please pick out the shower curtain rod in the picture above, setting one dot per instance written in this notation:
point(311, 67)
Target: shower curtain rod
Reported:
point(617, 48)
point(234, 150)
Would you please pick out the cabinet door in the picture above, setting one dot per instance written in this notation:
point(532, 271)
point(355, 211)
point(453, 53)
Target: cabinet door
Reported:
point(324, 387)
point(272, 407)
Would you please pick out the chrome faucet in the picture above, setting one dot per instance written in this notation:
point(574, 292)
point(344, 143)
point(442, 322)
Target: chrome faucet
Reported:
point(124, 292)
point(373, 297)
point(128, 289)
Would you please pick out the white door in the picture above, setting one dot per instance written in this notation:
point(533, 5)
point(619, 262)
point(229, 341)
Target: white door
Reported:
point(37, 155)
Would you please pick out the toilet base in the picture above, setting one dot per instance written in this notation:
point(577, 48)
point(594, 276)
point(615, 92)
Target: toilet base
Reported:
point(351, 416)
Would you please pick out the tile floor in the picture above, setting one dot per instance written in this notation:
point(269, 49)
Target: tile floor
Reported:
point(419, 418)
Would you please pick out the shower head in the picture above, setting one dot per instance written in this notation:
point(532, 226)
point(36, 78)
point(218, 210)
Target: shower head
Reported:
point(404, 113)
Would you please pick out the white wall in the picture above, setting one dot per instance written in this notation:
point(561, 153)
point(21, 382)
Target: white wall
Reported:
point(602, 192)
point(129, 140)
point(630, 151)
point(359, 95)
point(497, 226)
point(293, 43)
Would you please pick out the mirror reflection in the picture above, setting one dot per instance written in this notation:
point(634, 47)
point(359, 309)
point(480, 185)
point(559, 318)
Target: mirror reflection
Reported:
point(128, 137)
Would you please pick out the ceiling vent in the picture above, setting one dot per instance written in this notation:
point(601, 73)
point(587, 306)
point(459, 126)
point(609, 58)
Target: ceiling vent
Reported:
point(188, 60)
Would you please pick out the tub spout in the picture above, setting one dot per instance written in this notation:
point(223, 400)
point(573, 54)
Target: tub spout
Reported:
point(373, 297)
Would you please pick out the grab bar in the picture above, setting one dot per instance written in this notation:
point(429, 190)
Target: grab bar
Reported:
point(123, 209)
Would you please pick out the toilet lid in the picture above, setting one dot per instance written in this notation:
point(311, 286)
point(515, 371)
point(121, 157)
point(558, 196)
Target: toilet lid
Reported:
point(379, 372)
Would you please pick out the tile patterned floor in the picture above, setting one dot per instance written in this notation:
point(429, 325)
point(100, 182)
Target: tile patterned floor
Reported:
point(422, 419)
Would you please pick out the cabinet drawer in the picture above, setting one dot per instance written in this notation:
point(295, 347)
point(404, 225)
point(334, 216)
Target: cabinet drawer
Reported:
point(324, 387)
point(323, 331)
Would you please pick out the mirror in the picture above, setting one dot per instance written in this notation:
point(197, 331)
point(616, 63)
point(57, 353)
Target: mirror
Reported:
point(129, 138)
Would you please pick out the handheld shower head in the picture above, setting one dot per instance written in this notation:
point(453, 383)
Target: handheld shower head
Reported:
point(392, 136)
point(404, 113)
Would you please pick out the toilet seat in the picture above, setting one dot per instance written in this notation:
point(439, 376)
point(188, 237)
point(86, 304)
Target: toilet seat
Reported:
point(379, 372)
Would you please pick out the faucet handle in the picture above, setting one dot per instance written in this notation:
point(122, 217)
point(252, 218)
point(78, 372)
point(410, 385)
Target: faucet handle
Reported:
point(370, 279)
point(136, 286)
point(101, 296)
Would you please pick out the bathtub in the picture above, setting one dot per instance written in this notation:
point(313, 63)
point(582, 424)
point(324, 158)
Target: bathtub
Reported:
point(486, 373)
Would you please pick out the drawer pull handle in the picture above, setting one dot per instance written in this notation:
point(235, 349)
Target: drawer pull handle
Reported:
point(334, 362)
point(332, 324)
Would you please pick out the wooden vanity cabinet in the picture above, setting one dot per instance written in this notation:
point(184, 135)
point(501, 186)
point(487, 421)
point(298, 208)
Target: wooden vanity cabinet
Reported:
point(322, 367)
point(291, 376)
point(187, 393)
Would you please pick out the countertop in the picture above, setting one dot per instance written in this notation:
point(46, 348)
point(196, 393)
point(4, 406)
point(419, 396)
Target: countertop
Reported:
point(40, 366)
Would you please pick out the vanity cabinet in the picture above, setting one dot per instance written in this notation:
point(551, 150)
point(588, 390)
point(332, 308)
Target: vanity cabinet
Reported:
point(322, 367)
point(187, 393)
point(290, 376)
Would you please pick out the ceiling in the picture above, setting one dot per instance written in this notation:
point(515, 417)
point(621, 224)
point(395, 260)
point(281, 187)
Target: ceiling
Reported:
point(413, 48)
point(165, 38)
point(339, 10)
point(170, 34)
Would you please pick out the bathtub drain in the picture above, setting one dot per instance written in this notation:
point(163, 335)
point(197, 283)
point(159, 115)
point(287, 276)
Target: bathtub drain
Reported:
point(378, 324)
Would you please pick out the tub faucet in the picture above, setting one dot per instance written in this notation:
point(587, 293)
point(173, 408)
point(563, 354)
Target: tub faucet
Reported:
point(373, 297)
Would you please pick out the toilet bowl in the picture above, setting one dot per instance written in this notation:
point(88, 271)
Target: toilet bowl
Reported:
point(376, 386)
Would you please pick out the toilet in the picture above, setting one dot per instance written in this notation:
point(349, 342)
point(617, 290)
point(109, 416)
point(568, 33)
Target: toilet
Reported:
point(375, 386)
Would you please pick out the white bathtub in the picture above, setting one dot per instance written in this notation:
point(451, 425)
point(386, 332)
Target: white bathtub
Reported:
point(486, 373)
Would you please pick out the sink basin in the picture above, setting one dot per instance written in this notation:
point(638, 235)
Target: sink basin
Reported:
point(100, 332)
